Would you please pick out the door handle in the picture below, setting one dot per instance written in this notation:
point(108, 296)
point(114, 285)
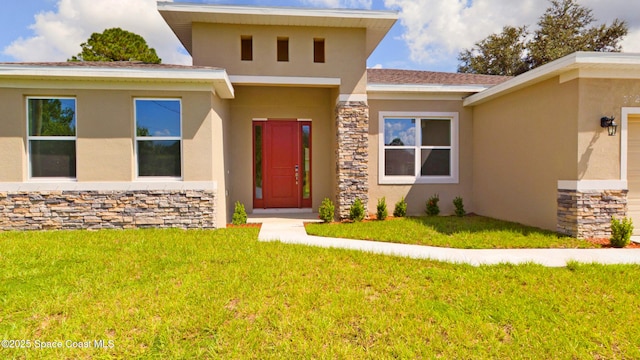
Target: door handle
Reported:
point(297, 172)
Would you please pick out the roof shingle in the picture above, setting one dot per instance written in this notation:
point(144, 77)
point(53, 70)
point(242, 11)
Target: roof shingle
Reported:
point(398, 77)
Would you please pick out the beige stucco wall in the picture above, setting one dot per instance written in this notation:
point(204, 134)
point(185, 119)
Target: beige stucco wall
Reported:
point(597, 151)
point(280, 103)
point(416, 195)
point(105, 142)
point(105, 119)
point(523, 143)
point(345, 52)
point(221, 156)
point(13, 129)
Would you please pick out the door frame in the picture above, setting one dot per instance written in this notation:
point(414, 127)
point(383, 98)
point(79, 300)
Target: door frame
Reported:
point(262, 123)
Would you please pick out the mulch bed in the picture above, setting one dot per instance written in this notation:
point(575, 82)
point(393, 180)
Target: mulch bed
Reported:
point(248, 225)
point(605, 243)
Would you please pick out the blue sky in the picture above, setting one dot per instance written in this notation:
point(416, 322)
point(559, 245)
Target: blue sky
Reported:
point(428, 36)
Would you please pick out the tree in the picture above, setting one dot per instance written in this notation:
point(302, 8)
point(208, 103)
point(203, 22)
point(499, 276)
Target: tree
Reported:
point(500, 54)
point(116, 44)
point(564, 28)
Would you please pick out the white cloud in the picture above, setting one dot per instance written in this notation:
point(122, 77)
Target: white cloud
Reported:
point(58, 34)
point(337, 4)
point(437, 30)
point(163, 132)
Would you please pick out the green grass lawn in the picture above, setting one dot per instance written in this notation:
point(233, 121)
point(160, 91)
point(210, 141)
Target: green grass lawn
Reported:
point(469, 232)
point(223, 294)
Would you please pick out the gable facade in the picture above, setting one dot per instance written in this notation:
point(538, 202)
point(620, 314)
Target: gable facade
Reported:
point(279, 112)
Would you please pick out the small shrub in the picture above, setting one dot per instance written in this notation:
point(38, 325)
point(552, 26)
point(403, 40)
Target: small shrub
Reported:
point(381, 212)
point(457, 202)
point(326, 212)
point(356, 212)
point(239, 214)
point(621, 231)
point(432, 205)
point(400, 209)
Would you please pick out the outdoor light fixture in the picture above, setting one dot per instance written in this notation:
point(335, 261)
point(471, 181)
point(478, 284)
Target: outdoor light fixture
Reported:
point(610, 124)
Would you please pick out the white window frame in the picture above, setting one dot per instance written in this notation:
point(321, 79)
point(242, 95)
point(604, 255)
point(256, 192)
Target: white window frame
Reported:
point(49, 138)
point(156, 138)
point(453, 178)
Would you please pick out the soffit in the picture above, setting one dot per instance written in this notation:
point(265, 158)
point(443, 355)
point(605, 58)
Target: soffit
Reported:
point(152, 75)
point(180, 16)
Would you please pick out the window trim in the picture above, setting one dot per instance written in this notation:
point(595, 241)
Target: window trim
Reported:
point(49, 138)
point(156, 138)
point(419, 179)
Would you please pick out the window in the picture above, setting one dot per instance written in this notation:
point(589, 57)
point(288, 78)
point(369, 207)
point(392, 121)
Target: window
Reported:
point(246, 48)
point(158, 137)
point(283, 49)
point(318, 50)
point(418, 148)
point(52, 137)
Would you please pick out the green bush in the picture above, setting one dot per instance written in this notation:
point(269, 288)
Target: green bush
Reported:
point(621, 231)
point(356, 213)
point(326, 212)
point(239, 214)
point(400, 209)
point(457, 202)
point(381, 212)
point(432, 205)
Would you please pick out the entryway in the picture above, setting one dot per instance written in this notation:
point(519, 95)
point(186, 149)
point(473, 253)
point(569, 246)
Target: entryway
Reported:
point(281, 164)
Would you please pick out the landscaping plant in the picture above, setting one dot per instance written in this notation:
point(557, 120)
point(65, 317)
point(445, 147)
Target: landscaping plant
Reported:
point(621, 231)
point(356, 212)
point(326, 212)
point(457, 202)
point(400, 209)
point(432, 205)
point(239, 214)
point(381, 212)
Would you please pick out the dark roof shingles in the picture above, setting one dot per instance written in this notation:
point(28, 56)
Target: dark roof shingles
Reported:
point(416, 77)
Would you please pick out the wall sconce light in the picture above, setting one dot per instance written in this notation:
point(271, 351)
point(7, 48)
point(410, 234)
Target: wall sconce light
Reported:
point(610, 124)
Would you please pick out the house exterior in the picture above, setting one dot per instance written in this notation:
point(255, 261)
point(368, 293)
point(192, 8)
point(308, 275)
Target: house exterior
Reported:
point(279, 112)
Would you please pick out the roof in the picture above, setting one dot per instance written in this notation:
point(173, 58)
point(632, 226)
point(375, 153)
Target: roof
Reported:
point(121, 70)
point(180, 16)
point(393, 76)
point(110, 65)
point(428, 83)
point(576, 65)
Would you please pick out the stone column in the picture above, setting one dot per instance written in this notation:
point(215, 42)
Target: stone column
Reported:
point(352, 155)
point(587, 214)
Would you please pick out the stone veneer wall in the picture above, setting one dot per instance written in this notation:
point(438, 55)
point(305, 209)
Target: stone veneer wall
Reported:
point(587, 214)
point(57, 210)
point(352, 168)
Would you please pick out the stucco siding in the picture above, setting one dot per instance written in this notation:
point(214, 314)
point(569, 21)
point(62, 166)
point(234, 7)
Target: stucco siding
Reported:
point(12, 136)
point(523, 143)
point(416, 195)
point(280, 103)
point(599, 153)
point(345, 52)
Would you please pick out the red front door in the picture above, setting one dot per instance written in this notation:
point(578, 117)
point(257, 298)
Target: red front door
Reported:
point(282, 164)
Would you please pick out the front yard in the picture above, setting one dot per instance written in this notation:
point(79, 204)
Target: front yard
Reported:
point(468, 232)
point(223, 294)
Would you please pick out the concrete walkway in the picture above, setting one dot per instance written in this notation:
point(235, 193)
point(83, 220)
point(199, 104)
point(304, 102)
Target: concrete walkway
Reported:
point(290, 229)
